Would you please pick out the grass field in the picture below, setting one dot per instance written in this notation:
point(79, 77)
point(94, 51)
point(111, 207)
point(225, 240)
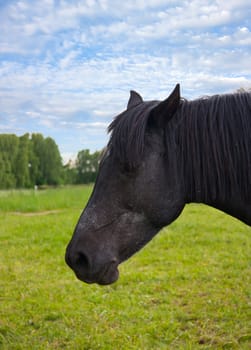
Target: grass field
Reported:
point(188, 289)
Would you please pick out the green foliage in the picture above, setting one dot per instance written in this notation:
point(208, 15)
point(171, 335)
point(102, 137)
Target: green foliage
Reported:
point(27, 161)
point(87, 166)
point(187, 289)
point(21, 165)
point(85, 169)
point(52, 162)
point(70, 174)
point(8, 153)
point(48, 164)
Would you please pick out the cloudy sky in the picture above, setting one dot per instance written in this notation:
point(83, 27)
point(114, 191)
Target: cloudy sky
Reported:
point(66, 67)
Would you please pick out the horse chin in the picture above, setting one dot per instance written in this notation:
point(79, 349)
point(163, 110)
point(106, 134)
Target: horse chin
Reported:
point(104, 278)
point(110, 278)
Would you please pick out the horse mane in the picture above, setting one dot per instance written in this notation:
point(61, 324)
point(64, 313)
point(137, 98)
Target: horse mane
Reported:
point(215, 141)
point(212, 140)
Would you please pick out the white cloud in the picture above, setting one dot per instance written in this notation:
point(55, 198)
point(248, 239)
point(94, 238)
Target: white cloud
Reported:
point(82, 125)
point(68, 66)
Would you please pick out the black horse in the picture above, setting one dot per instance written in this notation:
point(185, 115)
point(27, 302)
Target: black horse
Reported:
point(162, 155)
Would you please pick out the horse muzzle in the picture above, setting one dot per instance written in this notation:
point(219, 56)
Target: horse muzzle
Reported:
point(102, 271)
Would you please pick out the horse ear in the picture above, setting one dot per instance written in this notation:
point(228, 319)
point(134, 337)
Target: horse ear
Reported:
point(165, 110)
point(134, 99)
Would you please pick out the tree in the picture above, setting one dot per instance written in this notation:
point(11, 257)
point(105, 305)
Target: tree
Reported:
point(33, 164)
point(8, 151)
point(7, 178)
point(87, 166)
point(27, 161)
point(37, 150)
point(52, 163)
point(48, 168)
point(22, 164)
point(70, 173)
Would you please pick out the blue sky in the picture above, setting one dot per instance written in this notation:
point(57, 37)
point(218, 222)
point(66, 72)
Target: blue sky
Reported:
point(66, 67)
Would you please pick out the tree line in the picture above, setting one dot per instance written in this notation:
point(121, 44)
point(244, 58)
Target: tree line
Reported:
point(33, 160)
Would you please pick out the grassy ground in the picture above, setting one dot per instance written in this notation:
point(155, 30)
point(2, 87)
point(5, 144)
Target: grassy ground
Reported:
point(188, 289)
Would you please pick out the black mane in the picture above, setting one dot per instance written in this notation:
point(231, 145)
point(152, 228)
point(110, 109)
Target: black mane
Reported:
point(212, 136)
point(215, 146)
point(128, 130)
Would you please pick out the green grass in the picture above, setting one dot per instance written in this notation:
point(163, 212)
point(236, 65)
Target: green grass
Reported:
point(50, 199)
point(187, 289)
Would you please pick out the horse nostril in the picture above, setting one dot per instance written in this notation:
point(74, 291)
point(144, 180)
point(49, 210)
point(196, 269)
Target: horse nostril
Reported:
point(77, 260)
point(82, 261)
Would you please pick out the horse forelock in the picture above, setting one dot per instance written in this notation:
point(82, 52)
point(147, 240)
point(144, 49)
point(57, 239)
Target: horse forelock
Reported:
point(128, 130)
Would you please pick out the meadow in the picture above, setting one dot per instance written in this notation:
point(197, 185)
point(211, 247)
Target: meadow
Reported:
point(189, 288)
